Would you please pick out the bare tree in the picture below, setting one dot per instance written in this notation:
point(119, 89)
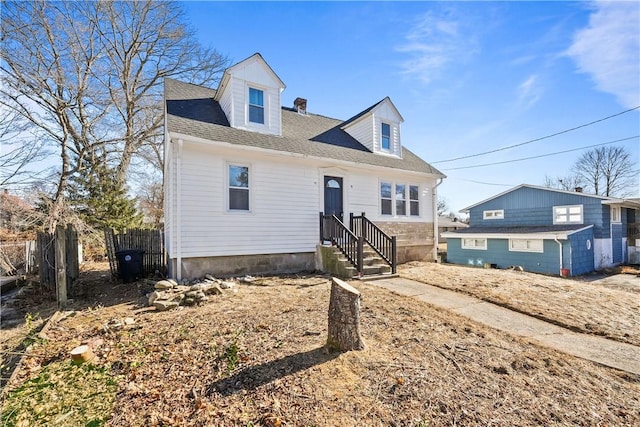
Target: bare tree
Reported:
point(88, 77)
point(607, 171)
point(442, 206)
point(567, 183)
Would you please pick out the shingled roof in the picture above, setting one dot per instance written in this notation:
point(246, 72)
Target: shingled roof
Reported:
point(191, 110)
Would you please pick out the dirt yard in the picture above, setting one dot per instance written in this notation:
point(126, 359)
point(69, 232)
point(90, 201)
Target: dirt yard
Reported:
point(581, 305)
point(254, 356)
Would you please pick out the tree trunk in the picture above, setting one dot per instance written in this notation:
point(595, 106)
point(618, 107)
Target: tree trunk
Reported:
point(344, 317)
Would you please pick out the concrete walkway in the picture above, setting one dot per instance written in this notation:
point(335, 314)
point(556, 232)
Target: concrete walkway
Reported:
point(625, 357)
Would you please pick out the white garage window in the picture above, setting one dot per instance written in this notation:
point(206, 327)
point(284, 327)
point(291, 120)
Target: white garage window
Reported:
point(526, 245)
point(480, 244)
point(495, 214)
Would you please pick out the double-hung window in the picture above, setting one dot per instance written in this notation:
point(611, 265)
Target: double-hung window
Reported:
point(401, 200)
point(414, 200)
point(567, 214)
point(256, 106)
point(385, 198)
point(238, 188)
point(385, 141)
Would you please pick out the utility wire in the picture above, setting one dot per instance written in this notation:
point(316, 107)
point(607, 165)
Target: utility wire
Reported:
point(537, 139)
point(481, 182)
point(541, 155)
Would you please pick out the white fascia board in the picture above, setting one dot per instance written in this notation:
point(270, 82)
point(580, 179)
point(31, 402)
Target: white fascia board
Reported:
point(551, 235)
point(278, 153)
point(622, 203)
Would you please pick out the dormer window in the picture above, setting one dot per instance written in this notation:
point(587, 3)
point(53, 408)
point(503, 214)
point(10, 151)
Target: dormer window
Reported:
point(256, 106)
point(386, 137)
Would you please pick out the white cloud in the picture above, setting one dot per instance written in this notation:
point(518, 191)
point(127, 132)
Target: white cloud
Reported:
point(529, 91)
point(609, 49)
point(434, 41)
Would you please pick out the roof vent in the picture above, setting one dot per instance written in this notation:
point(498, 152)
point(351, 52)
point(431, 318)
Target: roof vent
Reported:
point(300, 104)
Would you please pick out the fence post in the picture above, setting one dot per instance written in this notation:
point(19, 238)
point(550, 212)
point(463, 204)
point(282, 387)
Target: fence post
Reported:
point(61, 270)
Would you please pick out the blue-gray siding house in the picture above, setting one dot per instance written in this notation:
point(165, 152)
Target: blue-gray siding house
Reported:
point(545, 230)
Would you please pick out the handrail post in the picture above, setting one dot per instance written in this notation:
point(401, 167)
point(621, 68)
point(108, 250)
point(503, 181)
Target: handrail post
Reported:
point(321, 228)
point(393, 254)
point(363, 224)
point(351, 221)
point(360, 250)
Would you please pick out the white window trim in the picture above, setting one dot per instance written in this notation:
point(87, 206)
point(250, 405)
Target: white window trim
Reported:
point(475, 247)
point(407, 199)
point(493, 214)
point(265, 100)
point(527, 249)
point(227, 187)
point(616, 214)
point(568, 214)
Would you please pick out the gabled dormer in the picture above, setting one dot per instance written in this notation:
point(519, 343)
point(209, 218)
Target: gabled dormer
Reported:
point(377, 128)
point(250, 96)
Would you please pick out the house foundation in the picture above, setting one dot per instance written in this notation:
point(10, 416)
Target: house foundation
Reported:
point(239, 265)
point(415, 239)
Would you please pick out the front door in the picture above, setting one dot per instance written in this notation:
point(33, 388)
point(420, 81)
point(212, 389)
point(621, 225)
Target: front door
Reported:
point(333, 196)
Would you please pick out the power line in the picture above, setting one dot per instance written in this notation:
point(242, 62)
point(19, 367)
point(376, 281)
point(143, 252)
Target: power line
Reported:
point(481, 182)
point(537, 139)
point(541, 155)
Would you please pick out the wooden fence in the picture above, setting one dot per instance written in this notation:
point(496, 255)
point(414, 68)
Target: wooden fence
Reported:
point(149, 241)
point(50, 248)
point(18, 258)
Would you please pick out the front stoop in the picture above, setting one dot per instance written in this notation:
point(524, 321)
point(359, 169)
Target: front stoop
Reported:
point(374, 266)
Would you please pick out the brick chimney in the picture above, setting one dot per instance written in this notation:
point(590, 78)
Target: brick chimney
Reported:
point(300, 104)
point(578, 189)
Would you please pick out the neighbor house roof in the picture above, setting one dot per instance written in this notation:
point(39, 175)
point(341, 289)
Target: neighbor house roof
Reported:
point(606, 200)
point(191, 110)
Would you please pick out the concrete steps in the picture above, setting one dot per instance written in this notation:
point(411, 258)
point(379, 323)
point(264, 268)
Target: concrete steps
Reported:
point(373, 265)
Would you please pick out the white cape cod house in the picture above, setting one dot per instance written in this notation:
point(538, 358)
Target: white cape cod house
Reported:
point(249, 184)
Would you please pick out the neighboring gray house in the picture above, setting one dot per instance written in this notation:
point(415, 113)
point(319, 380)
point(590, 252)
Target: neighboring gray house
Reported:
point(447, 223)
point(549, 231)
point(247, 179)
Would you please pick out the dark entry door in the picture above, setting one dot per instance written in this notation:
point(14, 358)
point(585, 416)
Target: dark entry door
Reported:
point(333, 196)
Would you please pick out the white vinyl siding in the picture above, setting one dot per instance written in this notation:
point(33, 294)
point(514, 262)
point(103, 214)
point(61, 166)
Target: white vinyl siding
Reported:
point(567, 214)
point(363, 132)
point(285, 198)
point(526, 245)
point(494, 214)
point(474, 243)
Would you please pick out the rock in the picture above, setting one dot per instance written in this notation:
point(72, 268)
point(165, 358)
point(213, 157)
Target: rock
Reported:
point(128, 321)
point(227, 285)
point(199, 295)
point(197, 287)
point(210, 277)
point(153, 296)
point(204, 299)
point(173, 282)
point(182, 288)
point(164, 284)
point(165, 305)
point(248, 279)
point(191, 294)
point(177, 297)
point(212, 288)
point(189, 301)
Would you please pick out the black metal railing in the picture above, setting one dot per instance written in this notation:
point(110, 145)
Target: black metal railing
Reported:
point(384, 245)
point(333, 230)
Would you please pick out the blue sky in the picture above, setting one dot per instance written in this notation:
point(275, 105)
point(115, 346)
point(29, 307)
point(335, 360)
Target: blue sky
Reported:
point(468, 77)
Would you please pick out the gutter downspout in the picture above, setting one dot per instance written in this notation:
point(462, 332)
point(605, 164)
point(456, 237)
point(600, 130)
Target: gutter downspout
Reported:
point(435, 220)
point(555, 238)
point(178, 212)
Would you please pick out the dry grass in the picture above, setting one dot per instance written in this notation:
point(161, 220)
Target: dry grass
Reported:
point(579, 305)
point(256, 357)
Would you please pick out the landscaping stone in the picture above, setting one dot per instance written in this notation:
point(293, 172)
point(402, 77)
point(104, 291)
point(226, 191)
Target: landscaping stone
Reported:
point(165, 305)
point(169, 294)
point(164, 284)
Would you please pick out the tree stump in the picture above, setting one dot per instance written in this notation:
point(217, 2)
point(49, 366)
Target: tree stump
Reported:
point(344, 317)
